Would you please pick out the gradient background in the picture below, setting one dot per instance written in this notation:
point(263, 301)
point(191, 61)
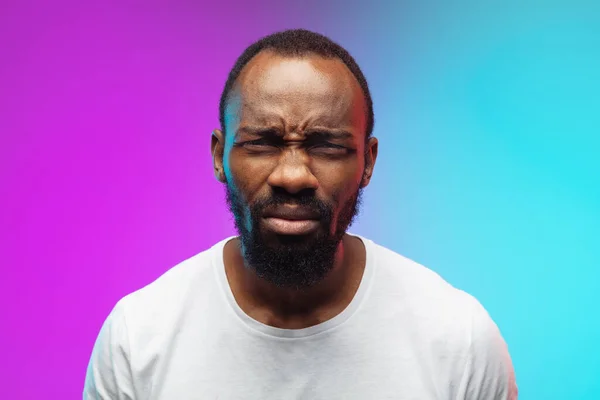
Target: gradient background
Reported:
point(488, 118)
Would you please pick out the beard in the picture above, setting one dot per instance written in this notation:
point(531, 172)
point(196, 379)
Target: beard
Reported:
point(292, 262)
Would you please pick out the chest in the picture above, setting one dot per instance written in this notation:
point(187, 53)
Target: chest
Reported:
point(229, 367)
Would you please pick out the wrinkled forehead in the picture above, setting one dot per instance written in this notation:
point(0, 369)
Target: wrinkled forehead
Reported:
point(297, 92)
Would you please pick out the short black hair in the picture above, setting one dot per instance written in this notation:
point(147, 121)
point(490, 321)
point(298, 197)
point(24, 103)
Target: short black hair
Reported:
point(298, 43)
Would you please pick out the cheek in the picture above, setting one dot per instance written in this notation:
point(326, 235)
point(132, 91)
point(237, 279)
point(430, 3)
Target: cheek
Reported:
point(246, 173)
point(340, 182)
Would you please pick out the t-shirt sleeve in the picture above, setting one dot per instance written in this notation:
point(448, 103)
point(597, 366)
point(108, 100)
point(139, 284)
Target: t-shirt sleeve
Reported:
point(489, 372)
point(108, 374)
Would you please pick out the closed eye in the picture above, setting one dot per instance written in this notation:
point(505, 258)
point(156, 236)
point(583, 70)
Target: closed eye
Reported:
point(327, 145)
point(329, 149)
point(258, 143)
point(264, 145)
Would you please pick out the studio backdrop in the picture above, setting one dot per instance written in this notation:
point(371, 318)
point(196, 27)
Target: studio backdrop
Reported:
point(488, 117)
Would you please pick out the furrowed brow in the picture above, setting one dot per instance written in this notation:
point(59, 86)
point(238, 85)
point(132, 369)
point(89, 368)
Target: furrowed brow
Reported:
point(257, 130)
point(329, 134)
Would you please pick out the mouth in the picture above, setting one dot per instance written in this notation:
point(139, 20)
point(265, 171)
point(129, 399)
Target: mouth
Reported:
point(291, 221)
point(283, 226)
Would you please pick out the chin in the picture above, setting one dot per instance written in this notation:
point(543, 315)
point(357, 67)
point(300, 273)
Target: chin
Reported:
point(275, 240)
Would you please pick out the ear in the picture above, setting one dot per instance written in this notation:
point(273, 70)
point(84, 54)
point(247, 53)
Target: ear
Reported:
point(217, 148)
point(370, 159)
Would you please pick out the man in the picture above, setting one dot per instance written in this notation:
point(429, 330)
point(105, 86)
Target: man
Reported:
point(295, 307)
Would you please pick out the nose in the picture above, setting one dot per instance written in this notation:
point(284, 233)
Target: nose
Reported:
point(293, 173)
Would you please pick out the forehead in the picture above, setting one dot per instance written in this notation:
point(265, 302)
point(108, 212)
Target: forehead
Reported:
point(297, 92)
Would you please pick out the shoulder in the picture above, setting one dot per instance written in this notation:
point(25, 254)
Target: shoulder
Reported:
point(418, 289)
point(147, 311)
point(451, 323)
point(173, 292)
point(489, 371)
point(141, 320)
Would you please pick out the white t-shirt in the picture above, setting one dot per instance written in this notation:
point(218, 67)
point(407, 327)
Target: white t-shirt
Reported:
point(407, 334)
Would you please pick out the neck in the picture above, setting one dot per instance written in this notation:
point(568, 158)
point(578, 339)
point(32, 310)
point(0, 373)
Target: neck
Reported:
point(278, 306)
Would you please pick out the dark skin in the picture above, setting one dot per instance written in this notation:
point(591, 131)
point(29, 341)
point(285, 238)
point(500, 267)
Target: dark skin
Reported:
point(295, 124)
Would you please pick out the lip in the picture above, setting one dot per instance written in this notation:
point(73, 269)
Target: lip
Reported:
point(291, 220)
point(284, 226)
point(292, 214)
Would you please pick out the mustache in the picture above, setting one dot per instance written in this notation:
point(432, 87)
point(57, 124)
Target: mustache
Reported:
point(305, 201)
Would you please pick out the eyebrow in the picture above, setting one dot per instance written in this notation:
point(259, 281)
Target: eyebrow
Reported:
point(316, 132)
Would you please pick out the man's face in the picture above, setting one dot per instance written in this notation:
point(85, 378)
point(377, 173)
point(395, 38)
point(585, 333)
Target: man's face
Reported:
point(294, 161)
